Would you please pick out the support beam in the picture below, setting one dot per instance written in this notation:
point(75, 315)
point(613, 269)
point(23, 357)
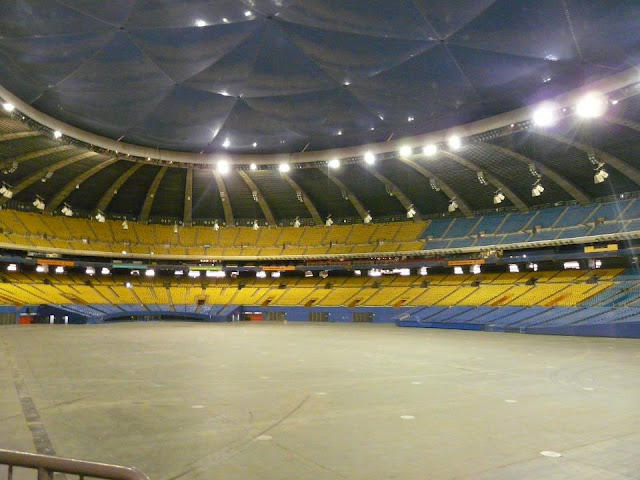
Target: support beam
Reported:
point(151, 195)
point(449, 192)
point(305, 198)
point(17, 135)
point(624, 122)
point(224, 196)
point(623, 167)
point(188, 198)
point(55, 202)
point(33, 155)
point(266, 209)
point(39, 175)
point(399, 194)
point(510, 194)
point(352, 198)
point(107, 196)
point(563, 182)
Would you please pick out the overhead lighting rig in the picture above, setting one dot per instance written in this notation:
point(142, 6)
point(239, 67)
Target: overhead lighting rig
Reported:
point(39, 203)
point(5, 190)
point(498, 197)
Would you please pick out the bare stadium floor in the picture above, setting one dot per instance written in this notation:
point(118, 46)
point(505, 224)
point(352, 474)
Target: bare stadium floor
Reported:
point(328, 401)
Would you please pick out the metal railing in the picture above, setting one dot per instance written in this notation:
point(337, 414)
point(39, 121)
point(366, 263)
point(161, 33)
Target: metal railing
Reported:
point(47, 465)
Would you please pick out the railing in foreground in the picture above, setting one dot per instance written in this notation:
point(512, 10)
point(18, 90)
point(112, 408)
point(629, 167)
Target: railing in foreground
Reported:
point(47, 465)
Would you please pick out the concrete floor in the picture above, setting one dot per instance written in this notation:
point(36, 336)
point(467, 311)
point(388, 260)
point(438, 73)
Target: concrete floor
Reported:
point(325, 401)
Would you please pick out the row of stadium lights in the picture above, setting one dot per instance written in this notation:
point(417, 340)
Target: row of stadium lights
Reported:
point(591, 105)
point(374, 272)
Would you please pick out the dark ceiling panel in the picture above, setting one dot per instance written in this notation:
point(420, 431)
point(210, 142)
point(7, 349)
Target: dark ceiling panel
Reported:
point(169, 199)
point(415, 186)
point(130, 197)
point(60, 178)
point(325, 195)
point(369, 190)
point(279, 195)
point(244, 207)
point(90, 192)
point(206, 196)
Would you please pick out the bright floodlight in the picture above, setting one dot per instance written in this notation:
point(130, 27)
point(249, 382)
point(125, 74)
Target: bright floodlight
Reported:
point(105, 271)
point(253, 166)
point(57, 134)
point(41, 268)
point(200, 23)
point(12, 267)
point(261, 274)
point(369, 158)
point(367, 218)
point(226, 143)
point(8, 107)
point(59, 269)
point(90, 271)
point(334, 163)
point(600, 176)
point(405, 151)
point(256, 225)
point(454, 142)
point(247, 13)
point(223, 167)
point(545, 116)
point(429, 150)
point(592, 105)
point(453, 206)
point(284, 167)
point(150, 272)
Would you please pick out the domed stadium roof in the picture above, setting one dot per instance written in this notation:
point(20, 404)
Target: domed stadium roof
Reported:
point(285, 75)
point(265, 78)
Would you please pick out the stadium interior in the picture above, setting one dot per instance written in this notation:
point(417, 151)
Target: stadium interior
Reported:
point(323, 178)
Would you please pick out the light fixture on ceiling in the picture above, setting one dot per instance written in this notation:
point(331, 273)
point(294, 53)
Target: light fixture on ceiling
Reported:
point(5, 190)
point(339, 132)
point(284, 167)
point(430, 150)
point(125, 224)
point(261, 274)
point(223, 167)
point(254, 144)
point(481, 179)
point(453, 206)
point(226, 143)
point(8, 107)
point(545, 115)
point(591, 105)
point(367, 218)
point(256, 225)
point(253, 167)
point(498, 197)
point(149, 272)
point(57, 134)
point(216, 226)
point(454, 142)
point(225, 19)
point(296, 223)
point(369, 158)
point(105, 271)
point(38, 203)
point(67, 210)
point(42, 268)
point(175, 228)
point(434, 184)
point(601, 174)
point(537, 188)
point(247, 13)
point(410, 119)
point(329, 221)
point(405, 151)
point(100, 217)
point(334, 163)
point(411, 212)
point(200, 23)
point(12, 267)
